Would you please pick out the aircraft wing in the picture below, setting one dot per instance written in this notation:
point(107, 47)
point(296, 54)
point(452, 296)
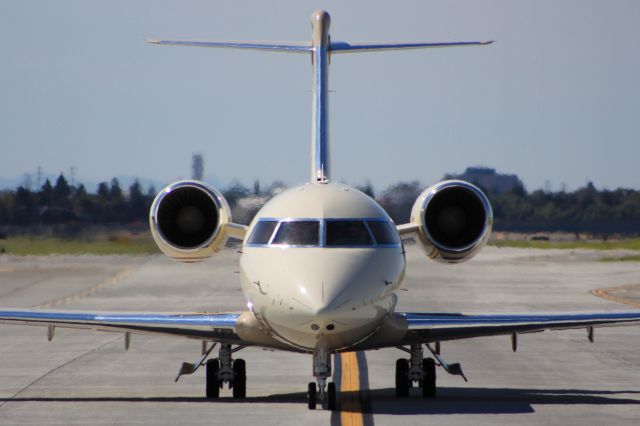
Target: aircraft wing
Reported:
point(433, 327)
point(218, 327)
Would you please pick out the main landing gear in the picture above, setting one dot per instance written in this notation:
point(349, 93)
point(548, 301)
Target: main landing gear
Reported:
point(422, 371)
point(316, 391)
point(223, 370)
point(415, 370)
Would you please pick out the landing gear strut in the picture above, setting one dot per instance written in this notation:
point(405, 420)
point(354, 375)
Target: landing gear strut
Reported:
point(418, 370)
point(321, 371)
point(226, 370)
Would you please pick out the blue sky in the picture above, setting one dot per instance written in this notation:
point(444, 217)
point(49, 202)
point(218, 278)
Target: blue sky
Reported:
point(555, 99)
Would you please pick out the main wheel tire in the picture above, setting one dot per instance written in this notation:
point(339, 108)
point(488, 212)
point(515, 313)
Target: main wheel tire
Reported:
point(428, 378)
point(212, 390)
point(239, 378)
point(312, 395)
point(331, 396)
point(402, 377)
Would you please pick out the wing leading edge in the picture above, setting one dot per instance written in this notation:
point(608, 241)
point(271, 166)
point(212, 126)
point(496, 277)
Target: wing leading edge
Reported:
point(432, 327)
point(220, 327)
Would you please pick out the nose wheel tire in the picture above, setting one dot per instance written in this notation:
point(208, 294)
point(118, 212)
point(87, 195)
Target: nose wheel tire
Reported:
point(402, 377)
point(312, 396)
point(212, 383)
point(239, 379)
point(429, 378)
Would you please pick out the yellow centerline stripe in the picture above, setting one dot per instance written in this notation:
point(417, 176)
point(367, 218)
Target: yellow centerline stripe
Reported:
point(351, 409)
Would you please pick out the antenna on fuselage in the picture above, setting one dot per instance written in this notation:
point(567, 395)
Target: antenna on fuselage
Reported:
point(321, 48)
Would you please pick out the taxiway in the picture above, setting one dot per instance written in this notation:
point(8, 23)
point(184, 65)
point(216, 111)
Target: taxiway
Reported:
point(84, 377)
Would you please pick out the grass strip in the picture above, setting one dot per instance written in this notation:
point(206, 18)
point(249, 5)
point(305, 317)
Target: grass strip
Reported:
point(631, 258)
point(40, 246)
point(625, 244)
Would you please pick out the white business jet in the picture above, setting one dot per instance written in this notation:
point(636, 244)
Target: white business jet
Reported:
point(321, 264)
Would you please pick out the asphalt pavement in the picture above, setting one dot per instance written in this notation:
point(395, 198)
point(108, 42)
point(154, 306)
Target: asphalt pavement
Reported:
point(86, 377)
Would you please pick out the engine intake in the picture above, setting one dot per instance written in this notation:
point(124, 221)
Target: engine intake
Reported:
point(454, 220)
point(187, 220)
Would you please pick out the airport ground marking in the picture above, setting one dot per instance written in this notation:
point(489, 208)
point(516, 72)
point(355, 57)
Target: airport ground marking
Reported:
point(351, 409)
point(605, 293)
point(109, 282)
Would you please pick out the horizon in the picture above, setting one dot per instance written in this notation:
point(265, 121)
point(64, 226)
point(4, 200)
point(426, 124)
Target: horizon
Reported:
point(150, 183)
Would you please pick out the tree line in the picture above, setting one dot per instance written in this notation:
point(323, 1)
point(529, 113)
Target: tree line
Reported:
point(583, 210)
point(62, 203)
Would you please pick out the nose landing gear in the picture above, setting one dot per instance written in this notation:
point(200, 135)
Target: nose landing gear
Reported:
point(323, 391)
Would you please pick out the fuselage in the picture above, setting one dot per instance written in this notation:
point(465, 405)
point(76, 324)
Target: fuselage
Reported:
point(321, 265)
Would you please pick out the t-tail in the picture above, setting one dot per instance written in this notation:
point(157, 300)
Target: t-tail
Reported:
point(320, 48)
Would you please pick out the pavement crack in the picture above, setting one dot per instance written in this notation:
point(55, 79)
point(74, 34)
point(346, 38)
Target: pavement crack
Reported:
point(24, 287)
point(606, 352)
point(53, 370)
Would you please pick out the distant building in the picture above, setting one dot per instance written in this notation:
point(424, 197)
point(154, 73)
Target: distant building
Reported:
point(197, 166)
point(489, 180)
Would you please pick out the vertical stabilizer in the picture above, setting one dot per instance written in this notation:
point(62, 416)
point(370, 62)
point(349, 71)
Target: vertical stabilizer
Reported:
point(320, 22)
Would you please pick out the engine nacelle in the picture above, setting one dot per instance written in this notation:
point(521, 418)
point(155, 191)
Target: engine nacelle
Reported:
point(454, 220)
point(187, 220)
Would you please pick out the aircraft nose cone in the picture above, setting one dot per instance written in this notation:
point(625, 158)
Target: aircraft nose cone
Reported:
point(320, 297)
point(333, 282)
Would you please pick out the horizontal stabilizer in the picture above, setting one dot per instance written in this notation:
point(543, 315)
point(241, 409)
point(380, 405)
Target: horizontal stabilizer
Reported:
point(304, 47)
point(344, 47)
point(293, 47)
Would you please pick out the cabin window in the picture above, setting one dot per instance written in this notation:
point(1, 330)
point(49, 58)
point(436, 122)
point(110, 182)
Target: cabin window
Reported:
point(262, 232)
point(383, 232)
point(351, 233)
point(298, 233)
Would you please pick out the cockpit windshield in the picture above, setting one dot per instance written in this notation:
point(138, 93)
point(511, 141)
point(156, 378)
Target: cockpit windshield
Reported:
point(330, 233)
point(262, 232)
point(383, 232)
point(298, 233)
point(347, 233)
